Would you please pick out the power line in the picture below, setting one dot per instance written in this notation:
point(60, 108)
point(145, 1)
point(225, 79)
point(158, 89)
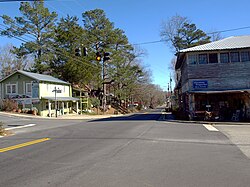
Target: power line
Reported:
point(240, 28)
point(20, 27)
point(210, 33)
point(57, 50)
point(2, 1)
point(19, 38)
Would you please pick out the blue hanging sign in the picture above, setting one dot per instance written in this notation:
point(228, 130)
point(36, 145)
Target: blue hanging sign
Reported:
point(200, 84)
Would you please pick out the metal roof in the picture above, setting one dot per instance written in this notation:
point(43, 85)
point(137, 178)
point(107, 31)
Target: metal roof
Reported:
point(234, 42)
point(41, 77)
point(61, 98)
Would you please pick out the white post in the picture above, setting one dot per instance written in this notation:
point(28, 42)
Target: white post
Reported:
point(67, 106)
point(49, 108)
point(77, 108)
point(62, 108)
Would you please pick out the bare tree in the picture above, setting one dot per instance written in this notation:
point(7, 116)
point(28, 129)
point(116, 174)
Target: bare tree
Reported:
point(9, 62)
point(215, 35)
point(170, 29)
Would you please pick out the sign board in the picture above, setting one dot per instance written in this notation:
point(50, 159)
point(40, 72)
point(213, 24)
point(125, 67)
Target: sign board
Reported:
point(57, 91)
point(200, 84)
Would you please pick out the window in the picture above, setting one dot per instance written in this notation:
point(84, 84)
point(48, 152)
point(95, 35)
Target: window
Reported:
point(235, 57)
point(11, 88)
point(213, 58)
point(192, 59)
point(245, 56)
point(8, 89)
point(28, 88)
point(224, 57)
point(203, 59)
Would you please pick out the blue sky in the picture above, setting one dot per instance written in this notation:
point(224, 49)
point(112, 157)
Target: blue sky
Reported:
point(141, 21)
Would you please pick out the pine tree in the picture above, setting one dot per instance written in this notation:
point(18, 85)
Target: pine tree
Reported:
point(39, 24)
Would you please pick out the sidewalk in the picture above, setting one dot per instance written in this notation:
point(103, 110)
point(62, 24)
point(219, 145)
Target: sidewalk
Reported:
point(69, 116)
point(168, 116)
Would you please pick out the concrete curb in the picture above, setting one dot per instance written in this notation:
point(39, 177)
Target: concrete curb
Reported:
point(204, 122)
point(66, 117)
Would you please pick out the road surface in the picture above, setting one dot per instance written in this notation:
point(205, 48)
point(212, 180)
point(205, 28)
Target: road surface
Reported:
point(136, 151)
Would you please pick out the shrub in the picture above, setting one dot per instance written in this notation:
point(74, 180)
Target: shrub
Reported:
point(9, 105)
point(34, 109)
point(25, 110)
point(95, 102)
point(139, 107)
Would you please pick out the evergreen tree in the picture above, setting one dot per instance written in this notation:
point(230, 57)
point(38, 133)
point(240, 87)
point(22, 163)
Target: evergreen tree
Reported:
point(37, 22)
point(190, 36)
point(76, 69)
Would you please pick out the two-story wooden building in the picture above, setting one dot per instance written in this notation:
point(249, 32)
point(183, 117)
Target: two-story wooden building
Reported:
point(215, 77)
point(44, 92)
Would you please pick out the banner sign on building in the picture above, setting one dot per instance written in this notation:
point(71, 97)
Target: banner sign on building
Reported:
point(200, 84)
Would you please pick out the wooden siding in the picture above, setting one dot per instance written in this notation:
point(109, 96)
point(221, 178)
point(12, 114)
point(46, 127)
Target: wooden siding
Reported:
point(18, 79)
point(220, 76)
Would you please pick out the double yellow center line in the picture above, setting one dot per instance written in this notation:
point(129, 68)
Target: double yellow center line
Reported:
point(23, 145)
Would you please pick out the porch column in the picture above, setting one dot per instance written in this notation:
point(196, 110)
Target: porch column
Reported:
point(77, 107)
point(49, 108)
point(67, 107)
point(191, 103)
point(62, 108)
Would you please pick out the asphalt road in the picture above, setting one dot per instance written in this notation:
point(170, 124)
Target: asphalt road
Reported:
point(135, 151)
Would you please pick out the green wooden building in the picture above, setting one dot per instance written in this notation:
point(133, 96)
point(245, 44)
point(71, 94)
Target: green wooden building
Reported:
point(48, 94)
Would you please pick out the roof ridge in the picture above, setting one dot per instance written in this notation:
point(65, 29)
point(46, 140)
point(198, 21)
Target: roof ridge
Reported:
point(231, 42)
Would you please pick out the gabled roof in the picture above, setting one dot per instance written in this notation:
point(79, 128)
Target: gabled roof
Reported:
point(38, 77)
point(234, 42)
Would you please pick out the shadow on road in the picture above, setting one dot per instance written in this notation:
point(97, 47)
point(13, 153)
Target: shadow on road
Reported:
point(134, 117)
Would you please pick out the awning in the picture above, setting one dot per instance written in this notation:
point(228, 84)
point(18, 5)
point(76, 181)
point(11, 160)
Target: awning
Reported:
point(61, 98)
point(220, 91)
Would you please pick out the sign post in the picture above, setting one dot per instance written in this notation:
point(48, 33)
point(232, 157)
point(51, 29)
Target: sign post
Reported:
point(56, 91)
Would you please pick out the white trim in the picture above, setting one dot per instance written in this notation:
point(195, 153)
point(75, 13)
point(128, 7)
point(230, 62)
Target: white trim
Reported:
point(26, 89)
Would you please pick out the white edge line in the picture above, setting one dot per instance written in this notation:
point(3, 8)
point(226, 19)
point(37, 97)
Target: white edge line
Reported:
point(210, 127)
point(24, 126)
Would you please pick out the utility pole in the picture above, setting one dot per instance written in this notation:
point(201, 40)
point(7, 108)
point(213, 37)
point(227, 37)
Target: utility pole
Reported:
point(170, 84)
point(105, 58)
point(104, 87)
point(171, 92)
point(104, 100)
